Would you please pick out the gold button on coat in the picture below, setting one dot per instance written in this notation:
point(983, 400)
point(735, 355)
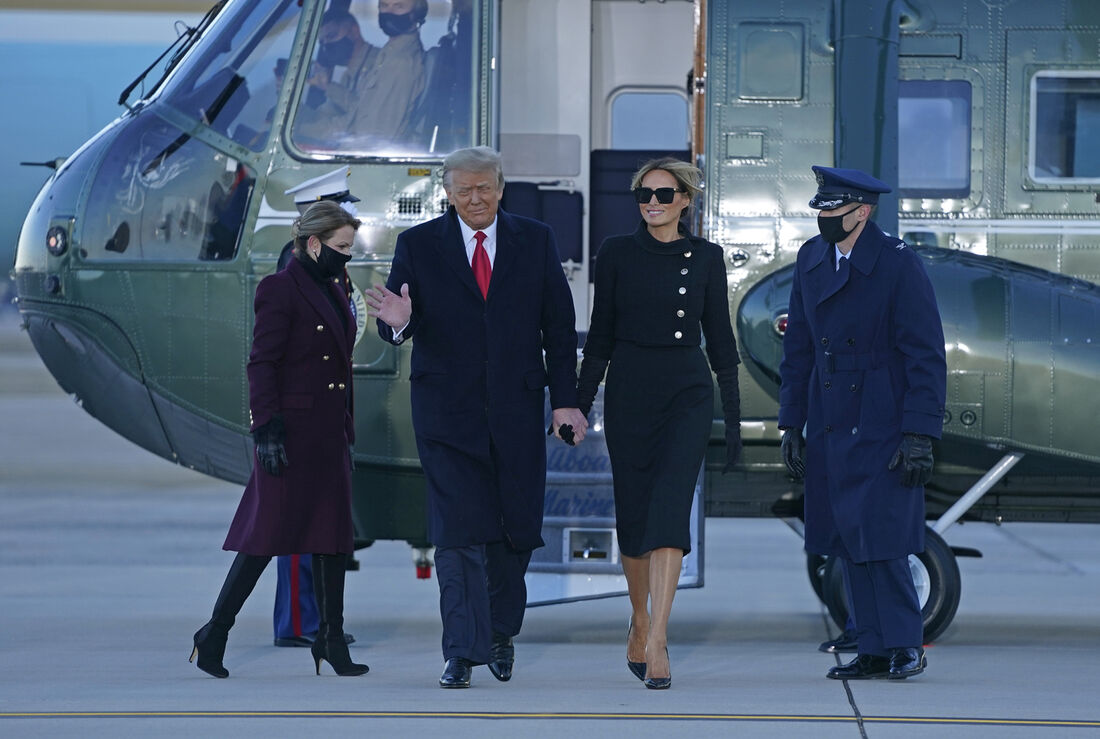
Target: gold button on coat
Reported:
point(331, 386)
point(320, 327)
point(341, 386)
point(324, 358)
point(679, 334)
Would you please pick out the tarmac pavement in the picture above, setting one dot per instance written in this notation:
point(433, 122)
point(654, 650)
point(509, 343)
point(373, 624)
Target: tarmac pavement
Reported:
point(110, 559)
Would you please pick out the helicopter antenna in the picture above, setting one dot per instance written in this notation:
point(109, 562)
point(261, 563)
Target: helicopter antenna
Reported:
point(186, 36)
point(52, 163)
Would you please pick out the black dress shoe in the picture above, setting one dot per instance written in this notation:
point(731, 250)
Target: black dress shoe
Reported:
point(456, 674)
point(637, 669)
point(846, 642)
point(863, 667)
point(502, 655)
point(907, 662)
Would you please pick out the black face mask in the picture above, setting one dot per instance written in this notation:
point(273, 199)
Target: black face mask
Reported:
point(336, 53)
point(331, 261)
point(832, 227)
point(395, 24)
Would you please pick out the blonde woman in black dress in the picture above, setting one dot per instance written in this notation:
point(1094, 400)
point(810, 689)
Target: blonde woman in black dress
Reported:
point(658, 292)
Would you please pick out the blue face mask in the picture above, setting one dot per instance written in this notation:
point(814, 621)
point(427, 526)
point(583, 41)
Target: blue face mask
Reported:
point(336, 53)
point(395, 24)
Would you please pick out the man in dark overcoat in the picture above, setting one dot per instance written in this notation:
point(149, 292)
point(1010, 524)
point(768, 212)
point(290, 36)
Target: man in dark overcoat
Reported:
point(483, 297)
point(864, 371)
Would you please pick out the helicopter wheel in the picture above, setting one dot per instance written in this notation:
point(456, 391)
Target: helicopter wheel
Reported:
point(935, 574)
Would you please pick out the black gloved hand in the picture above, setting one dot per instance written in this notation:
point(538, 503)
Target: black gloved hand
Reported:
point(733, 446)
point(270, 451)
point(793, 447)
point(565, 433)
point(914, 454)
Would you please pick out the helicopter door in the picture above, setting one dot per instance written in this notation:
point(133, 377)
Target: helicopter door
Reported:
point(608, 103)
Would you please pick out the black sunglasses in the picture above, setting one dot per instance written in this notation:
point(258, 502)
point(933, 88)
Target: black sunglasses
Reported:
point(665, 195)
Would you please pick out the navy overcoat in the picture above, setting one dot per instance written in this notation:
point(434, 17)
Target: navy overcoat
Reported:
point(863, 362)
point(300, 368)
point(479, 372)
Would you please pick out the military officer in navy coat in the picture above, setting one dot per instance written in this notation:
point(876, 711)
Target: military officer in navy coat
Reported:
point(864, 371)
point(482, 295)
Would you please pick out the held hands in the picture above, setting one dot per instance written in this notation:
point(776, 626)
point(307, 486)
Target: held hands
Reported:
point(569, 425)
point(793, 447)
point(394, 310)
point(914, 454)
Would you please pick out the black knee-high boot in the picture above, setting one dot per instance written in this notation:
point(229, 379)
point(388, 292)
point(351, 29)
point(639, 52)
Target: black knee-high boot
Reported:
point(328, 586)
point(210, 639)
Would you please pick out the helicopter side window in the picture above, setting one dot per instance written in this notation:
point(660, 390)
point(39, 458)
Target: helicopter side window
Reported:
point(234, 85)
point(390, 78)
point(162, 195)
point(934, 138)
point(1065, 128)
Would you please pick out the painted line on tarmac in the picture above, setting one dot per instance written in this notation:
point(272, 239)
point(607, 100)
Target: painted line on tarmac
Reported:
point(729, 717)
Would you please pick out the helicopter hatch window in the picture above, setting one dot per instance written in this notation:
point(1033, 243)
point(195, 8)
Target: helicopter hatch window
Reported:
point(161, 195)
point(934, 138)
point(390, 78)
point(233, 86)
point(1065, 128)
point(649, 119)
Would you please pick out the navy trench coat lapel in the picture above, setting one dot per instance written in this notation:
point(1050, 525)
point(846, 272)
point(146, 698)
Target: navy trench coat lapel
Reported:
point(507, 252)
point(452, 251)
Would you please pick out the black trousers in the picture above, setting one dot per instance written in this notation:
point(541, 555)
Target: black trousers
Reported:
point(481, 591)
point(884, 605)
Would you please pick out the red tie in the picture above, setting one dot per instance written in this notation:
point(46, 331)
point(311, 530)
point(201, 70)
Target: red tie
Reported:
point(482, 269)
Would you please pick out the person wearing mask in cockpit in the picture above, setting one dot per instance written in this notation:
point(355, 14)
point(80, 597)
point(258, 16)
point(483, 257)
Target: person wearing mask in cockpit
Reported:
point(369, 90)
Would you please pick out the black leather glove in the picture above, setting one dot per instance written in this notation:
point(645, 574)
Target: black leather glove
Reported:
point(565, 433)
point(914, 454)
point(592, 372)
point(793, 447)
point(270, 451)
point(731, 412)
point(733, 446)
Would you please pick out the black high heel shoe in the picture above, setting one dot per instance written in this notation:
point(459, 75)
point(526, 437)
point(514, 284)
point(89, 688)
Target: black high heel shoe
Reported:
point(337, 655)
point(210, 649)
point(636, 668)
point(660, 683)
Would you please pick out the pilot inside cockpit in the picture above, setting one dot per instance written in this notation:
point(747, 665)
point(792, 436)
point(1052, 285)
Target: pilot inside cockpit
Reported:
point(369, 90)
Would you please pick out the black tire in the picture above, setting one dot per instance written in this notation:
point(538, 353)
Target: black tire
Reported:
point(935, 573)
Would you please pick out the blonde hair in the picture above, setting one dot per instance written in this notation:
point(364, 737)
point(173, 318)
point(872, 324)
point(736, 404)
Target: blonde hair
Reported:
point(321, 219)
point(475, 159)
point(687, 176)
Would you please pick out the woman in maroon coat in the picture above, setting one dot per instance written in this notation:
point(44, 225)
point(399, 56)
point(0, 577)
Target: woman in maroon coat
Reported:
point(299, 496)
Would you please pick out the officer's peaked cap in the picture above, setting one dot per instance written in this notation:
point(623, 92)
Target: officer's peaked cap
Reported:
point(836, 187)
point(329, 186)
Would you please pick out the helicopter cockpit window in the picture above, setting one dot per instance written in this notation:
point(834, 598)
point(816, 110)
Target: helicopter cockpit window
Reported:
point(162, 195)
point(1065, 128)
point(934, 138)
point(390, 78)
point(233, 86)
